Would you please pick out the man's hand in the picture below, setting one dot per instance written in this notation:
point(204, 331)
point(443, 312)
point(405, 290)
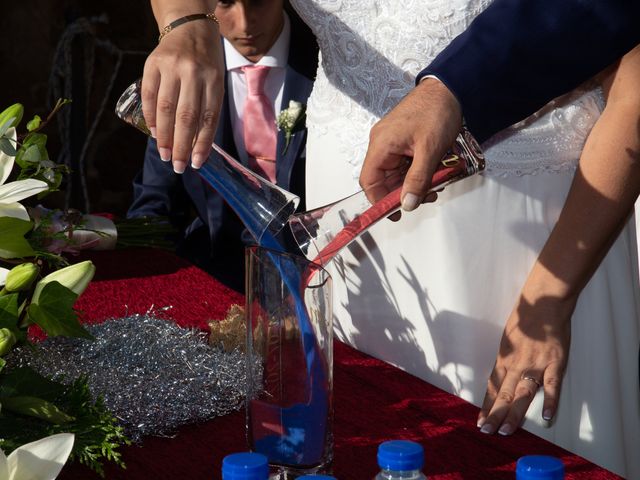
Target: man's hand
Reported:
point(422, 127)
point(182, 91)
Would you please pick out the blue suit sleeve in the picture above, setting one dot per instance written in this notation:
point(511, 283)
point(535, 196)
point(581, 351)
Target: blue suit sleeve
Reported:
point(519, 54)
point(157, 190)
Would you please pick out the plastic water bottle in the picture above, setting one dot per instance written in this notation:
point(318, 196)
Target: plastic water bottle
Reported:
point(400, 460)
point(539, 467)
point(245, 466)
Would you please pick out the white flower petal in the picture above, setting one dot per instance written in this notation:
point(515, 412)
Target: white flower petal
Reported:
point(21, 189)
point(3, 279)
point(4, 466)
point(42, 459)
point(99, 232)
point(14, 210)
point(6, 161)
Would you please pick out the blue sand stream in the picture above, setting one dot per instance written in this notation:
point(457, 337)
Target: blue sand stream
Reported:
point(304, 424)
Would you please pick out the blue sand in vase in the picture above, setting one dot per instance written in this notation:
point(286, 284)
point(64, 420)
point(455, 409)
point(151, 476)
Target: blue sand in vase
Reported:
point(301, 439)
point(295, 434)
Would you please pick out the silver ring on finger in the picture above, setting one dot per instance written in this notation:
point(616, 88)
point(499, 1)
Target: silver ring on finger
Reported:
point(531, 379)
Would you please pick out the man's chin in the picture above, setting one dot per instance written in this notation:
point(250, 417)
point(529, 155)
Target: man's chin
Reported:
point(253, 54)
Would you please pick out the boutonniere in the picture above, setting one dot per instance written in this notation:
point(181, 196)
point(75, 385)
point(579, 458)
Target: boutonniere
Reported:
point(291, 120)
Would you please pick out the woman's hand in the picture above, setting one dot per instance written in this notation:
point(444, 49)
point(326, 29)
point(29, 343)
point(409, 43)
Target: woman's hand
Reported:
point(533, 353)
point(182, 90)
point(536, 339)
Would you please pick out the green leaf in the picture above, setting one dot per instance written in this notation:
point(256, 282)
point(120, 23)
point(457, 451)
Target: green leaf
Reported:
point(26, 382)
point(5, 126)
point(9, 311)
point(39, 139)
point(26, 154)
point(54, 312)
point(12, 241)
point(32, 154)
point(7, 147)
point(98, 435)
point(34, 123)
point(57, 180)
point(35, 407)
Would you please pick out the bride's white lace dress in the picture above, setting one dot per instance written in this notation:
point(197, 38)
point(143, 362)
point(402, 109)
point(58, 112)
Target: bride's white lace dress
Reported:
point(431, 294)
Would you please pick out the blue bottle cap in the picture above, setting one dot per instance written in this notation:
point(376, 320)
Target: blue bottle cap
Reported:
point(318, 477)
point(400, 455)
point(245, 466)
point(536, 467)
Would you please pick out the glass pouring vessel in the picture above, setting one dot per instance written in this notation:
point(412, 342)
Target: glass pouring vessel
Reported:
point(322, 232)
point(263, 207)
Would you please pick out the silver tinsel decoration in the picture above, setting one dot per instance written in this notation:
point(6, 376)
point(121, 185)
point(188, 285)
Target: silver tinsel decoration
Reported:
point(152, 374)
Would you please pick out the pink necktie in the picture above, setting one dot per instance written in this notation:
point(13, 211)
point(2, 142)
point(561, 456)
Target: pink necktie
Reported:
point(259, 124)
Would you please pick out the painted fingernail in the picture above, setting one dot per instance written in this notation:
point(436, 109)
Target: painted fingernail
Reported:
point(197, 160)
point(487, 428)
point(153, 131)
point(481, 422)
point(165, 154)
point(178, 168)
point(505, 429)
point(547, 414)
point(410, 201)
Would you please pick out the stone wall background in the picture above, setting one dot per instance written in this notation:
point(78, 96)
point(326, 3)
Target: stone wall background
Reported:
point(88, 37)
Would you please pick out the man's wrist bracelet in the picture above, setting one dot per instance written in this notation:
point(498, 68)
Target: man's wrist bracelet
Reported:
point(185, 19)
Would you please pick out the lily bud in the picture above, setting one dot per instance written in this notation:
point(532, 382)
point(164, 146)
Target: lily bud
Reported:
point(13, 113)
point(21, 277)
point(75, 277)
point(7, 341)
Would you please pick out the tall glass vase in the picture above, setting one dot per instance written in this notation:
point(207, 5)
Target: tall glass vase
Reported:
point(289, 362)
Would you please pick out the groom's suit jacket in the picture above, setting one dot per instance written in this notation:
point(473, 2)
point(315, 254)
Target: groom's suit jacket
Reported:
point(519, 54)
point(215, 238)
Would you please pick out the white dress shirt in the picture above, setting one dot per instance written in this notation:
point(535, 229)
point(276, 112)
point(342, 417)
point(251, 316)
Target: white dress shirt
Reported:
point(276, 58)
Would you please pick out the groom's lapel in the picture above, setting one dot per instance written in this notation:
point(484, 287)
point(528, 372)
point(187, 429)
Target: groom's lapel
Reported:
point(300, 74)
point(295, 88)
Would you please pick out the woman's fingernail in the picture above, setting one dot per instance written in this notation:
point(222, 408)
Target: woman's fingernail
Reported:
point(410, 201)
point(547, 414)
point(178, 168)
point(487, 428)
point(165, 154)
point(505, 429)
point(481, 422)
point(153, 132)
point(196, 160)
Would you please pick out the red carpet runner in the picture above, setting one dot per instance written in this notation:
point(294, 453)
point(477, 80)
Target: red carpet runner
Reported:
point(373, 400)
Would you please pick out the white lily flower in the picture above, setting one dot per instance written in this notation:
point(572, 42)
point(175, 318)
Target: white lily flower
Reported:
point(6, 161)
point(3, 276)
point(13, 192)
point(39, 460)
